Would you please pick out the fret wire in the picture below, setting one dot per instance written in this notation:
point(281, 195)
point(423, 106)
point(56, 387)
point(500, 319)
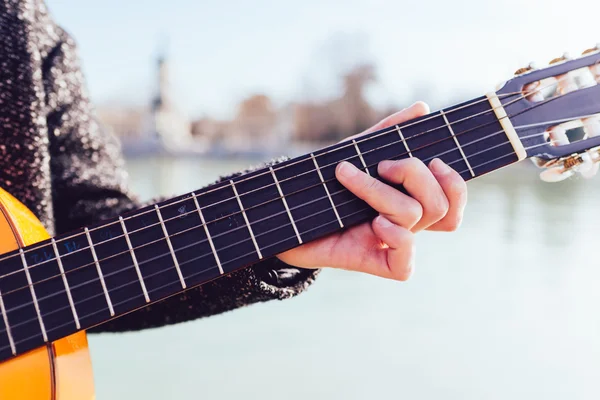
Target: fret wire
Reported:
point(349, 201)
point(158, 288)
point(200, 242)
point(66, 283)
point(100, 273)
point(486, 137)
point(237, 196)
point(11, 341)
point(306, 217)
point(33, 295)
point(168, 239)
point(477, 153)
point(404, 141)
point(327, 190)
point(367, 137)
point(490, 161)
point(285, 204)
point(303, 205)
point(135, 262)
point(210, 241)
point(456, 141)
point(484, 163)
point(383, 131)
point(362, 160)
point(204, 222)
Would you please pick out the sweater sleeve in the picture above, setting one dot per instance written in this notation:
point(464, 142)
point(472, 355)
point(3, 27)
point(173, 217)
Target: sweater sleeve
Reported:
point(89, 183)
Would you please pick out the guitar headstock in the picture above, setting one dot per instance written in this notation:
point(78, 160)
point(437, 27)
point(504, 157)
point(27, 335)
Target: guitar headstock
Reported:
point(556, 114)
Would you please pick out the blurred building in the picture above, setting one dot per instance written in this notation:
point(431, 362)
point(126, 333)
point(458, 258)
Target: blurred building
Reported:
point(340, 117)
point(154, 128)
point(258, 125)
point(167, 124)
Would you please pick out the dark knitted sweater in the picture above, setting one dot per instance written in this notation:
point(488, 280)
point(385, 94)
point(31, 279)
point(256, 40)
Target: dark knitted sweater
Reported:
point(56, 159)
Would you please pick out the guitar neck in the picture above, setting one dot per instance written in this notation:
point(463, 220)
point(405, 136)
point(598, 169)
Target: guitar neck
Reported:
point(84, 278)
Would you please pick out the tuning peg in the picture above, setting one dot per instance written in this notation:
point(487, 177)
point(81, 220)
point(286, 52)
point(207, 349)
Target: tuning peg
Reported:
point(561, 172)
point(560, 59)
point(591, 50)
point(555, 174)
point(530, 67)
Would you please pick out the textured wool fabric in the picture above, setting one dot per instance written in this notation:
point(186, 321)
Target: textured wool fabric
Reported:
point(57, 160)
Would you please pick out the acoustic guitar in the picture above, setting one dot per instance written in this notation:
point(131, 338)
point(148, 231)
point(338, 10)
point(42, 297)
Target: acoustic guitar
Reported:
point(53, 289)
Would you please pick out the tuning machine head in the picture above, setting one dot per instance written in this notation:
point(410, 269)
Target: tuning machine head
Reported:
point(560, 59)
point(591, 50)
point(530, 67)
point(586, 164)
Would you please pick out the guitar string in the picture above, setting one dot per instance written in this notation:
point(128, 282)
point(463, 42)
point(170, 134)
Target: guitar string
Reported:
point(391, 129)
point(376, 134)
point(375, 149)
point(322, 168)
point(261, 220)
point(205, 240)
point(208, 269)
point(276, 168)
point(275, 199)
point(347, 144)
point(248, 208)
point(226, 232)
point(194, 211)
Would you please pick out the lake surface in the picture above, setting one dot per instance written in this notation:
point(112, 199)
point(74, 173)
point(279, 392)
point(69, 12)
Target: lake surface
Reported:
point(505, 308)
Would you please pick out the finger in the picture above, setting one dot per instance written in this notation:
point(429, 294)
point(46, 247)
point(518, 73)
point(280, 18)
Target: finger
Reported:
point(420, 183)
point(455, 189)
point(401, 209)
point(397, 261)
point(416, 110)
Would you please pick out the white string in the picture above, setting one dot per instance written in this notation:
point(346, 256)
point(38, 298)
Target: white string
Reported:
point(178, 216)
point(355, 199)
point(160, 287)
point(234, 244)
point(213, 267)
point(235, 259)
point(241, 227)
point(391, 130)
point(369, 136)
point(271, 216)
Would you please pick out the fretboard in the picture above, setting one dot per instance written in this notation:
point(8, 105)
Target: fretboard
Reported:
point(81, 279)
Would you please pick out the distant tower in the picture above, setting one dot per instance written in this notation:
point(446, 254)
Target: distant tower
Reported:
point(169, 126)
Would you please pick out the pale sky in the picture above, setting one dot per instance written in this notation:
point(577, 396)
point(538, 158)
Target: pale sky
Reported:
point(221, 51)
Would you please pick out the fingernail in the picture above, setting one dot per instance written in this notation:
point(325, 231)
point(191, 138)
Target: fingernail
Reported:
point(347, 170)
point(383, 222)
point(440, 167)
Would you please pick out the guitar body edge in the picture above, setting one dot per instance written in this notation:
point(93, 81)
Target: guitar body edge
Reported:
point(61, 370)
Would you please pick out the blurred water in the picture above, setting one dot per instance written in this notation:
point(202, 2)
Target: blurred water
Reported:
point(507, 307)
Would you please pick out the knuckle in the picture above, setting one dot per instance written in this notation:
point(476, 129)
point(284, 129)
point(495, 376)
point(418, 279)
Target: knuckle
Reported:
point(389, 167)
point(404, 268)
point(439, 209)
point(458, 188)
point(413, 165)
point(451, 223)
point(415, 211)
point(455, 222)
point(371, 185)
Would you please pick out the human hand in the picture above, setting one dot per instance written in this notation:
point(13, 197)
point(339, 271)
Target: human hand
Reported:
point(385, 246)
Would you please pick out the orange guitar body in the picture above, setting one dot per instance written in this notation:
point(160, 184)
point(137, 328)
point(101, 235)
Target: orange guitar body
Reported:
point(61, 370)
